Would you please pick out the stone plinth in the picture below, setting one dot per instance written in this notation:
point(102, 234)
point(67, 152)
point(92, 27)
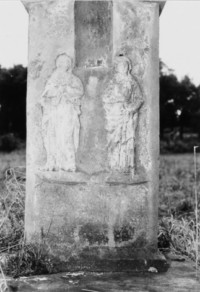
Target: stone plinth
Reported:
point(93, 132)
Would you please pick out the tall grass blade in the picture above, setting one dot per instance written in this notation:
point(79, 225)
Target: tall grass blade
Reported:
point(196, 207)
point(3, 282)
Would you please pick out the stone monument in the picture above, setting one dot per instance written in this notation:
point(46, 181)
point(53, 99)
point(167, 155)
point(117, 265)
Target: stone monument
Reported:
point(93, 133)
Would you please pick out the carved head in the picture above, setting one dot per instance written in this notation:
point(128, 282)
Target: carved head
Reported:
point(64, 62)
point(123, 65)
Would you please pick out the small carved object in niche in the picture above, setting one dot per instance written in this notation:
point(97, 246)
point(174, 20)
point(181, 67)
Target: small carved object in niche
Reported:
point(61, 104)
point(122, 101)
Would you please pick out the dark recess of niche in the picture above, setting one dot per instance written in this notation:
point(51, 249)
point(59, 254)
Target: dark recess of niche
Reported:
point(93, 33)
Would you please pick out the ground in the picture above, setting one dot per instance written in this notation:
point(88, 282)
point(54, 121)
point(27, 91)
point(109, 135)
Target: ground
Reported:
point(181, 277)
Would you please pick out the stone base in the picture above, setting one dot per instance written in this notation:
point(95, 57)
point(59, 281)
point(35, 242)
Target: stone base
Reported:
point(114, 260)
point(180, 277)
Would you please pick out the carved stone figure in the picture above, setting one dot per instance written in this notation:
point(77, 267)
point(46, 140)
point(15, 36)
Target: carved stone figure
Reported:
point(122, 100)
point(61, 104)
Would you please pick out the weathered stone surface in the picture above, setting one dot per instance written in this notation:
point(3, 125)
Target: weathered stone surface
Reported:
point(93, 129)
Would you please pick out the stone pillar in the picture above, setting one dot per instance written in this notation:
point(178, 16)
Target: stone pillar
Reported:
point(93, 133)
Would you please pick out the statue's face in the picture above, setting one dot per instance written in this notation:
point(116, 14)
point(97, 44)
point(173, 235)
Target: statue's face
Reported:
point(63, 62)
point(122, 67)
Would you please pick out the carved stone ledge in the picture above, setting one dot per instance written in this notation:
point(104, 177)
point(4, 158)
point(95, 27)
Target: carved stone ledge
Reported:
point(63, 177)
point(126, 179)
point(76, 178)
point(32, 2)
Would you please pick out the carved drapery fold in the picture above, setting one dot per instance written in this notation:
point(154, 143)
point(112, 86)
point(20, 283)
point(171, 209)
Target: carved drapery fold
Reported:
point(122, 101)
point(61, 108)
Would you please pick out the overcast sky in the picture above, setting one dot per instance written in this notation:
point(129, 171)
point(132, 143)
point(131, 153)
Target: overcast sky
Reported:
point(13, 33)
point(179, 36)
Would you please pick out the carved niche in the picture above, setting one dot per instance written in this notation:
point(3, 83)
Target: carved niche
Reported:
point(61, 109)
point(122, 101)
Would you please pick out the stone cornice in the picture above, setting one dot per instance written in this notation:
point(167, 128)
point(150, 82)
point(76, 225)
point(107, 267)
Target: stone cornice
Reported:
point(28, 2)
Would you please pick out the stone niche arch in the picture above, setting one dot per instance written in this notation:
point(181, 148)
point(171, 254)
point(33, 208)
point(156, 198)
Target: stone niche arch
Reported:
point(93, 22)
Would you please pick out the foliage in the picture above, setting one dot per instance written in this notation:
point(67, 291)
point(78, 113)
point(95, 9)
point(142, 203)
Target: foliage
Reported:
point(9, 142)
point(177, 235)
point(179, 103)
point(176, 192)
point(20, 258)
point(177, 228)
point(29, 259)
point(173, 146)
point(13, 100)
point(12, 209)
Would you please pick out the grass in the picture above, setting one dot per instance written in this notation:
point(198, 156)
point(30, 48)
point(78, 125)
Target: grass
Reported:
point(177, 226)
point(176, 194)
point(18, 258)
point(12, 208)
point(176, 213)
point(178, 236)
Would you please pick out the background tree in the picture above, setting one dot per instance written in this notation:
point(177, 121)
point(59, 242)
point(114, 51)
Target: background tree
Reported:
point(168, 92)
point(13, 100)
point(179, 103)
